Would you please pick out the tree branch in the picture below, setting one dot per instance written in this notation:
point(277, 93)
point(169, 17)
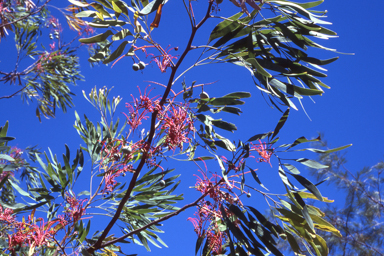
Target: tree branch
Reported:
point(132, 183)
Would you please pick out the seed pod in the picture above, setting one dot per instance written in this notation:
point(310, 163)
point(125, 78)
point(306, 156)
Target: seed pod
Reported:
point(126, 150)
point(135, 66)
point(248, 195)
point(162, 183)
point(204, 95)
point(141, 65)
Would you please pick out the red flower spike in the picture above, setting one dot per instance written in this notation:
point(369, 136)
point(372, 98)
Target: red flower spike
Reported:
point(264, 151)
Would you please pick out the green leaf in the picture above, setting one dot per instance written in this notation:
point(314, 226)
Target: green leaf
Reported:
point(79, 4)
point(6, 139)
point(224, 125)
point(238, 95)
point(319, 62)
point(117, 53)
point(259, 136)
point(308, 185)
point(223, 171)
point(225, 27)
point(224, 101)
point(292, 168)
point(281, 123)
point(151, 7)
point(96, 38)
point(7, 157)
point(259, 69)
point(293, 243)
point(199, 243)
point(4, 130)
point(311, 163)
point(302, 140)
point(256, 177)
point(121, 34)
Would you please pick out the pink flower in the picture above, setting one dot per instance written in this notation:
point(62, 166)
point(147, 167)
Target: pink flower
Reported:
point(264, 151)
point(178, 125)
point(6, 215)
point(139, 109)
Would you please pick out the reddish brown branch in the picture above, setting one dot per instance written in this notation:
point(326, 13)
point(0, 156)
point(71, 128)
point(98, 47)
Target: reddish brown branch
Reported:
point(132, 183)
point(154, 222)
point(12, 95)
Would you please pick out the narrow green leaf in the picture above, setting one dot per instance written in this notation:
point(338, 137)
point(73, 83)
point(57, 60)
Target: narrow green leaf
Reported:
point(311, 163)
point(308, 185)
point(225, 27)
point(224, 125)
point(151, 7)
point(117, 53)
point(96, 38)
point(281, 123)
point(259, 69)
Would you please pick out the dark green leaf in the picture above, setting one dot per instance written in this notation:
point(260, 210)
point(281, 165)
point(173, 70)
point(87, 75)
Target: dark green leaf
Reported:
point(96, 38)
point(224, 125)
point(281, 123)
point(308, 185)
point(117, 53)
point(311, 163)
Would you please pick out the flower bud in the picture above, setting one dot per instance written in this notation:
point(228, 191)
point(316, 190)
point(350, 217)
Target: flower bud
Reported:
point(204, 95)
point(141, 65)
point(135, 66)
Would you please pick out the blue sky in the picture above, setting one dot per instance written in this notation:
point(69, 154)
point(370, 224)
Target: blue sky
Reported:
point(351, 111)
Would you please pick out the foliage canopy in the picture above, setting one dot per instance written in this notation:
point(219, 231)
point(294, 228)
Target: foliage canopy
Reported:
point(130, 186)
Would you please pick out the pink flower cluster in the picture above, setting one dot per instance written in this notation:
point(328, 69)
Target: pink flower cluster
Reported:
point(206, 225)
point(26, 233)
point(178, 125)
point(265, 151)
point(73, 211)
point(209, 216)
point(140, 108)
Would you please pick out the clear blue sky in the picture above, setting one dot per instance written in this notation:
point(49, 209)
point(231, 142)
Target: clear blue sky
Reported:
point(352, 111)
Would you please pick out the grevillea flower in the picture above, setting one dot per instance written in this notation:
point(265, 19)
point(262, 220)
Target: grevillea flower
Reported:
point(139, 109)
point(6, 215)
point(74, 210)
point(178, 125)
point(206, 225)
point(264, 150)
point(26, 233)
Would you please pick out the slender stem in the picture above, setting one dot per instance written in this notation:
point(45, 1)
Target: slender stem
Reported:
point(151, 135)
point(14, 94)
point(153, 222)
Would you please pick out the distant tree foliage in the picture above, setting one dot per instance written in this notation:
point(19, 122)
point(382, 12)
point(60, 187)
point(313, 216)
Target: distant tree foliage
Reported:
point(361, 220)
